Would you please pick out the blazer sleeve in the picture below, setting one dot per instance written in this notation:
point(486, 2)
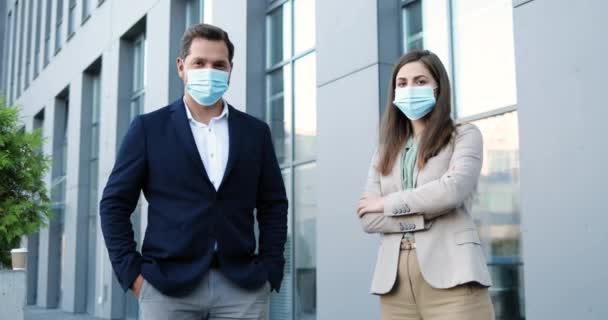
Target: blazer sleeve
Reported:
point(449, 191)
point(118, 201)
point(376, 222)
point(272, 205)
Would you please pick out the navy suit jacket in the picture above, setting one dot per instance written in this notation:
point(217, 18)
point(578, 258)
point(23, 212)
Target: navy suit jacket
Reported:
point(186, 215)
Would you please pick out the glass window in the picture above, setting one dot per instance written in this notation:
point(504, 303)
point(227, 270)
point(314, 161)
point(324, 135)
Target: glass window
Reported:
point(37, 37)
point(93, 190)
point(278, 26)
point(412, 26)
point(72, 18)
point(139, 77)
point(305, 98)
point(304, 25)
point(497, 212)
point(291, 107)
point(279, 111)
point(281, 304)
point(47, 33)
point(28, 45)
point(58, 24)
point(11, 57)
point(484, 57)
point(87, 9)
point(58, 182)
point(305, 209)
point(194, 12)
point(22, 17)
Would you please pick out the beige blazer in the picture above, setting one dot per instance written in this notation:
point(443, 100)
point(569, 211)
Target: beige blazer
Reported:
point(449, 252)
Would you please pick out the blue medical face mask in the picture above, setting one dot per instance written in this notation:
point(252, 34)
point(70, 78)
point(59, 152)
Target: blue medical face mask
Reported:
point(207, 86)
point(415, 102)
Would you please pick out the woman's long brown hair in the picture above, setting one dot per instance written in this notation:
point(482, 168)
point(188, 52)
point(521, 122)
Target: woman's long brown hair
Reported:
point(396, 128)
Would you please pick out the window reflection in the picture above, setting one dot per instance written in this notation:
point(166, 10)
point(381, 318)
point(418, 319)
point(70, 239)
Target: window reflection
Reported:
point(278, 26)
point(279, 111)
point(412, 26)
point(305, 208)
point(305, 107)
point(304, 25)
point(483, 55)
point(497, 212)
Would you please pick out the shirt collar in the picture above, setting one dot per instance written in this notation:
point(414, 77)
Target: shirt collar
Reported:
point(224, 113)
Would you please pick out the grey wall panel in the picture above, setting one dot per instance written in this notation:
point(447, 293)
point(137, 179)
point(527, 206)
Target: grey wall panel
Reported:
point(562, 114)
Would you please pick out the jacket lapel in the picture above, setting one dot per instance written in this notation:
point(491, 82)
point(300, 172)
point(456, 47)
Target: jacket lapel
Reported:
point(186, 139)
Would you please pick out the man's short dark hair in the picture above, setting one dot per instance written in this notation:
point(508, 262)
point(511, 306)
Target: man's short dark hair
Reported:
point(205, 31)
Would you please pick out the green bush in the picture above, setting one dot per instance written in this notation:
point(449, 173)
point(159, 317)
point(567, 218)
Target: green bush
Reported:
point(24, 200)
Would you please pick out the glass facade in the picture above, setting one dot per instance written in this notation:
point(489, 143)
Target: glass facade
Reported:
point(58, 25)
point(412, 25)
point(291, 114)
point(58, 188)
point(194, 12)
point(28, 44)
point(71, 18)
point(47, 32)
point(87, 8)
point(21, 35)
point(11, 21)
point(93, 122)
point(484, 74)
point(476, 45)
point(139, 77)
point(37, 37)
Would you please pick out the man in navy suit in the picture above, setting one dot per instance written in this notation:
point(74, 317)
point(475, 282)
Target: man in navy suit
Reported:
point(207, 171)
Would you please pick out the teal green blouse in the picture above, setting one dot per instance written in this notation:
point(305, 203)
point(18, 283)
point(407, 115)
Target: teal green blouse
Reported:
point(408, 164)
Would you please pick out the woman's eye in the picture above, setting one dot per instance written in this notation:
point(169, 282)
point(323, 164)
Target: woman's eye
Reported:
point(401, 85)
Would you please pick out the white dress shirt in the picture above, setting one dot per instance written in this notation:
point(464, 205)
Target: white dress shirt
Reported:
point(212, 142)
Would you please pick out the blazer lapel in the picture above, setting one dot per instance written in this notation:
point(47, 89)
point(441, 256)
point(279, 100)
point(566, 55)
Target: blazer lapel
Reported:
point(186, 139)
point(234, 138)
point(416, 171)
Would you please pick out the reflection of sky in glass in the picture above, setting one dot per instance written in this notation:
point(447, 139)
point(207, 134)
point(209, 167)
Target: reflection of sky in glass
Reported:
point(304, 15)
point(435, 29)
point(306, 95)
point(484, 55)
point(305, 92)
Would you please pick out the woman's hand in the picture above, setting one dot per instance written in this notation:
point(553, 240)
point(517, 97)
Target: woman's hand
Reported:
point(370, 203)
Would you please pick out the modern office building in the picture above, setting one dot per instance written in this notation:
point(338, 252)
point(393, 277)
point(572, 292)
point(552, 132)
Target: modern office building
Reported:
point(529, 73)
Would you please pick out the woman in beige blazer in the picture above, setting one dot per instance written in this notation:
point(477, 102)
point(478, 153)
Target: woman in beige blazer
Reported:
point(418, 197)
